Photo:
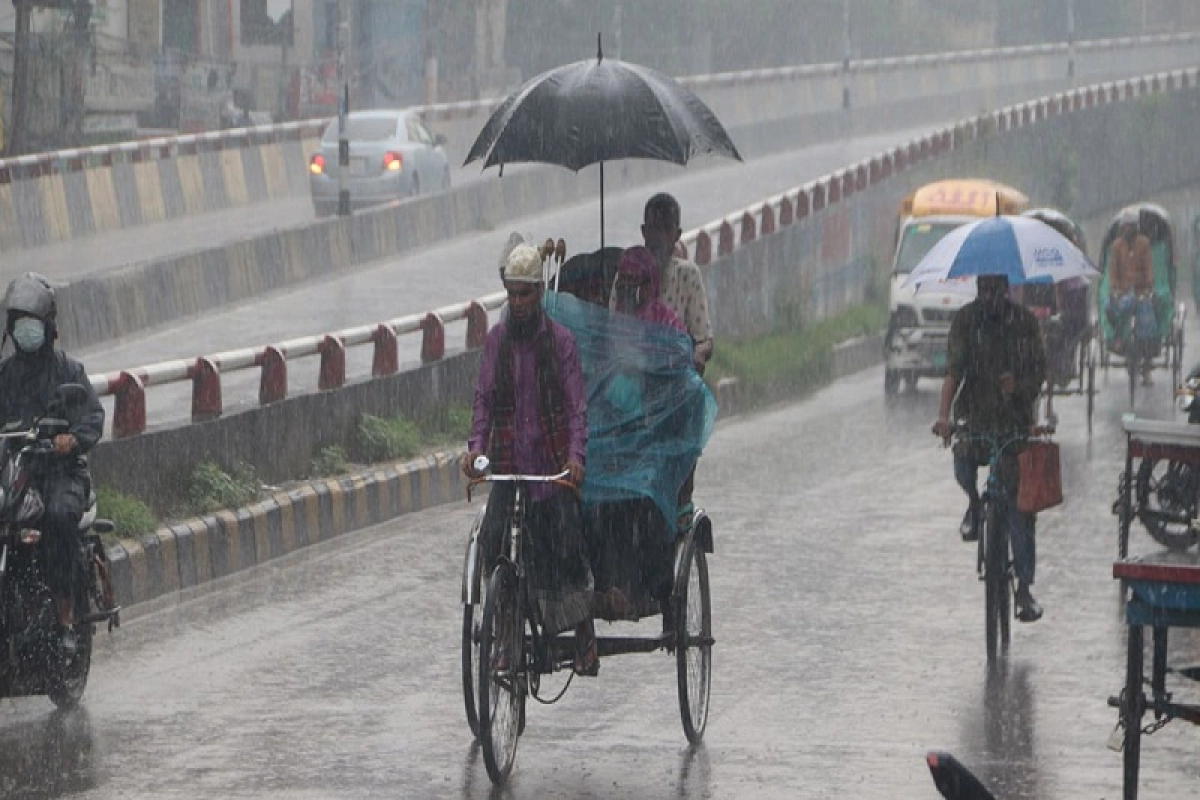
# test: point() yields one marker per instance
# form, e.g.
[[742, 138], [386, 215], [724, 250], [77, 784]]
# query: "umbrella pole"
[[602, 217]]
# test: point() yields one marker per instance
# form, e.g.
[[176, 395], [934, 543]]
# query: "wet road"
[[452, 272], [849, 630]]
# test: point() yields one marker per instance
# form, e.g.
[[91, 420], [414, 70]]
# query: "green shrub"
[[793, 361], [212, 489], [131, 516], [389, 439], [450, 423], [331, 460]]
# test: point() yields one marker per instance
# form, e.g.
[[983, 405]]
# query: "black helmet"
[[31, 294]]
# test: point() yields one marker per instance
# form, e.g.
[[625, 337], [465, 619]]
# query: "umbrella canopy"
[[600, 110], [1024, 249]]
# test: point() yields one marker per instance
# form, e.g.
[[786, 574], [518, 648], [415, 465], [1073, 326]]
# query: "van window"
[[917, 240]]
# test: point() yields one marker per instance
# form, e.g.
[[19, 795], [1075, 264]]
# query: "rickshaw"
[[1141, 330], [1067, 331], [645, 432]]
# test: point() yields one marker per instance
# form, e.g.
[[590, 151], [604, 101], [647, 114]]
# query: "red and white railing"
[[128, 387]]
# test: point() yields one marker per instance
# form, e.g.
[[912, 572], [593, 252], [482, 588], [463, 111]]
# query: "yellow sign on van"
[[973, 198]]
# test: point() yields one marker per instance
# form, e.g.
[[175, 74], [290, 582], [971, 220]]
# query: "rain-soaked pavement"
[[848, 621], [448, 273]]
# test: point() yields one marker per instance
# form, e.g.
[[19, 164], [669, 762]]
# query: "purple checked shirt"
[[531, 451]]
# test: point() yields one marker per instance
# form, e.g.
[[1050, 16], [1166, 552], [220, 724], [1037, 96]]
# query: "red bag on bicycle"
[[1039, 483]]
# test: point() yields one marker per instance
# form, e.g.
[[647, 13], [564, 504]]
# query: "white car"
[[392, 156]]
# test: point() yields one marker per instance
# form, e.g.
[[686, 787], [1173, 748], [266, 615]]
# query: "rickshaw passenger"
[[682, 290], [1067, 305], [638, 289], [1132, 263], [530, 417], [628, 545], [1131, 285]]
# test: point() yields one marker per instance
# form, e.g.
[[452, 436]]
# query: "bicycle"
[[513, 650], [993, 557], [506, 650]]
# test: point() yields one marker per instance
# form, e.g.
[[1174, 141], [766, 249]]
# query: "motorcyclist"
[[28, 380]]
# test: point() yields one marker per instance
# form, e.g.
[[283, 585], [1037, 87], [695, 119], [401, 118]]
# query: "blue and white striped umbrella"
[[1025, 249]]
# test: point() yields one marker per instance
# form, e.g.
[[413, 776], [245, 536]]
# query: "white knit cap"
[[514, 239], [524, 265]]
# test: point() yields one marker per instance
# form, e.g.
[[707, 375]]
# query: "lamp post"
[[343, 44], [20, 79], [617, 26], [846, 54], [1071, 40]]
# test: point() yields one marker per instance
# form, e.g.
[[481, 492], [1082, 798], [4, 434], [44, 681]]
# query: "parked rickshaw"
[[1141, 327], [1068, 330]]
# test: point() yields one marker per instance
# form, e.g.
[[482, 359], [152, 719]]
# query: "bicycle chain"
[[1120, 501], [1151, 727]]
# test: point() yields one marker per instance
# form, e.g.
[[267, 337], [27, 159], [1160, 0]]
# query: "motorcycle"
[[1167, 491], [33, 659]]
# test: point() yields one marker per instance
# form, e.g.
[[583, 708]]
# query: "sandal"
[[587, 653]]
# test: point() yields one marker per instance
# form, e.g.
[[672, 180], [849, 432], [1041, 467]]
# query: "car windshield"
[[918, 239], [360, 129]]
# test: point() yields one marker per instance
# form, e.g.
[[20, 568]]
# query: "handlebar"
[[559, 479], [960, 428]]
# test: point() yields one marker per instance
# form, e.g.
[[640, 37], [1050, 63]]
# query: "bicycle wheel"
[[1175, 351], [474, 584], [1132, 707], [693, 640], [1166, 501], [472, 625], [994, 578], [1091, 386], [1131, 366], [501, 673]]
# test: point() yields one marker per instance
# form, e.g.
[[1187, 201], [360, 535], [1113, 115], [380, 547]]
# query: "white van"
[[919, 322]]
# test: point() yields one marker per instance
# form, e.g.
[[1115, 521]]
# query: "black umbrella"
[[599, 110]]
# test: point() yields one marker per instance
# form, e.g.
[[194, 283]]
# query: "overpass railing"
[[128, 387], [715, 239]]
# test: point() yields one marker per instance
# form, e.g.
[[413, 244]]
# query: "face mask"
[[29, 334]]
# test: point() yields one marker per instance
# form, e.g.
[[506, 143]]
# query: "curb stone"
[[192, 552]]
